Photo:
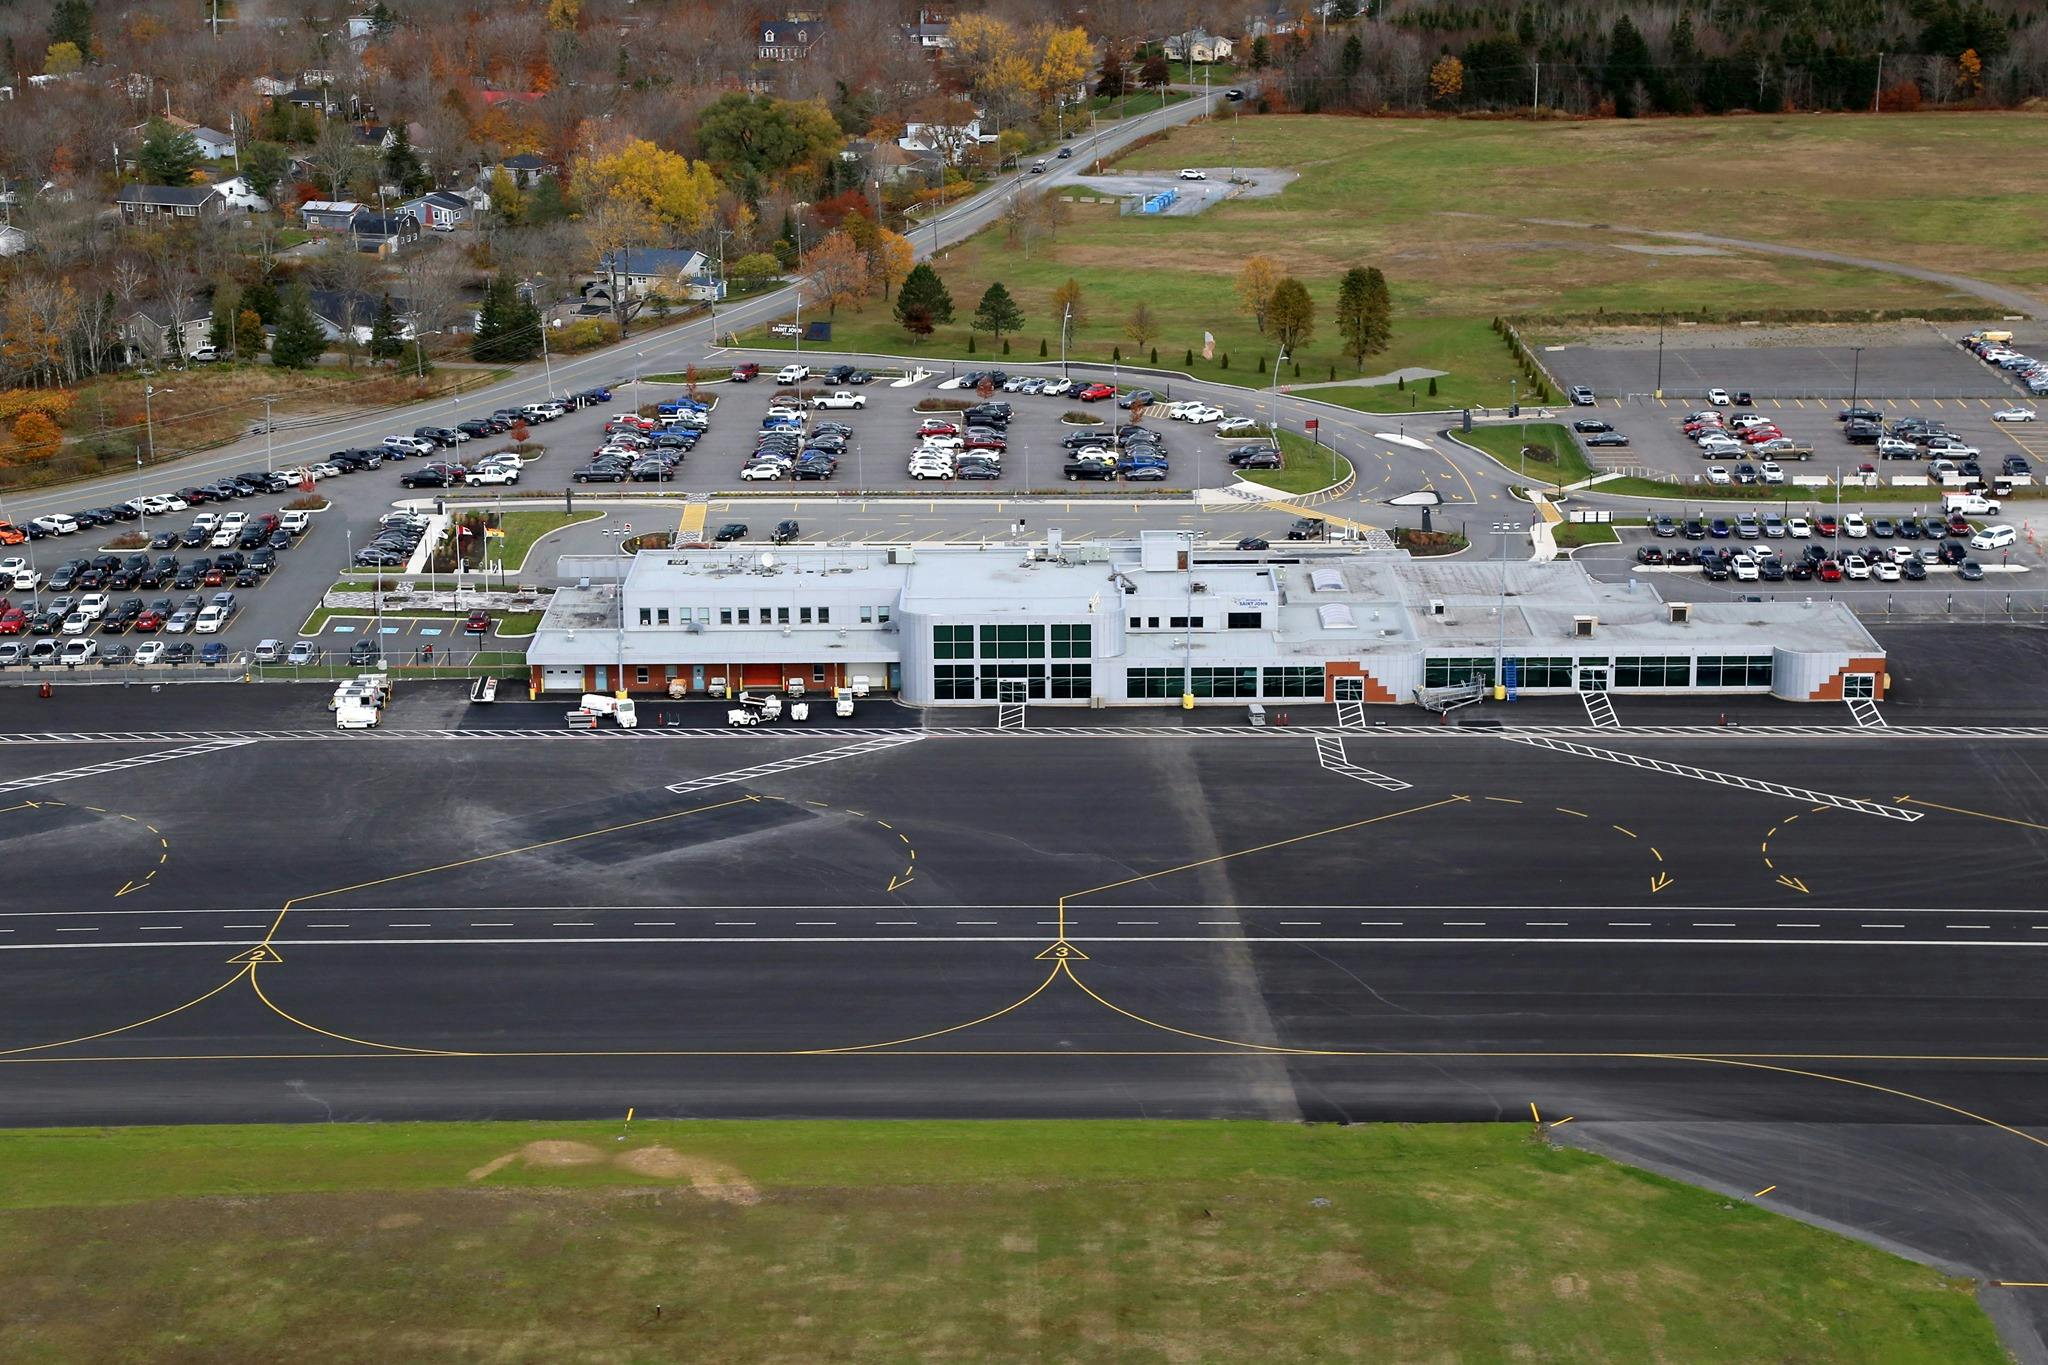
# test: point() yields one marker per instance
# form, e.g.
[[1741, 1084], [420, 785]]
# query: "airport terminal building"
[[1147, 621]]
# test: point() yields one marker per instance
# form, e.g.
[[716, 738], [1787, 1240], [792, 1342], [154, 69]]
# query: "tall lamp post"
[[149, 393], [800, 206], [1855, 373], [1274, 411]]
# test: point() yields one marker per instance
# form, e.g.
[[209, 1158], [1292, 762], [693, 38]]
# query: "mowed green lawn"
[[934, 1241]]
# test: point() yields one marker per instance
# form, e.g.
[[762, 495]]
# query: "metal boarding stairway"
[[1443, 699]]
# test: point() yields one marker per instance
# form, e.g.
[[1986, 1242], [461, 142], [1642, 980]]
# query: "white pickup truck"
[[840, 399], [490, 474]]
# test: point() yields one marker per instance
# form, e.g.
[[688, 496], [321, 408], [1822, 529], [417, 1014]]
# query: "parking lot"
[[1658, 447], [1891, 372]]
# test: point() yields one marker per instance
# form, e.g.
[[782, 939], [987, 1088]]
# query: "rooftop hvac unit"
[[902, 554], [1681, 612], [1436, 606], [1582, 626]]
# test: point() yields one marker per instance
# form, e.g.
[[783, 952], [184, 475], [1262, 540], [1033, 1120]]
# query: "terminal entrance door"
[[1592, 679], [1348, 689], [1857, 686]]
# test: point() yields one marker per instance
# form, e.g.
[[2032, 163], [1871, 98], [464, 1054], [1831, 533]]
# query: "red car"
[[1095, 393], [13, 621], [742, 373], [1830, 572], [983, 440], [933, 426], [479, 623], [1827, 525], [1758, 435], [1695, 428], [214, 577], [148, 622], [10, 534]]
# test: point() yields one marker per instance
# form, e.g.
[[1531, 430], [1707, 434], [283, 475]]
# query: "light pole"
[[1502, 530], [1660, 355], [800, 206], [1855, 373], [1066, 326], [1274, 411], [268, 451], [723, 233], [149, 393]]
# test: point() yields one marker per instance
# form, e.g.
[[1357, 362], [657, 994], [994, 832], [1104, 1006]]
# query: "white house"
[[13, 241], [213, 144], [950, 140], [241, 195], [639, 271], [1197, 45], [343, 315]]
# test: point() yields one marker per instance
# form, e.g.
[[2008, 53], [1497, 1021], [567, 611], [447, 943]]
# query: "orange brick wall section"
[[1831, 690], [1374, 690]]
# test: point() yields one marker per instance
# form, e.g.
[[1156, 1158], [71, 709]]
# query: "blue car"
[[1718, 529], [213, 653]]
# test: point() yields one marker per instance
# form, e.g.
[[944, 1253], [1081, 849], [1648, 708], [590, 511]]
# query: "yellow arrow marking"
[[1795, 884], [126, 887], [1764, 1191], [904, 880], [1660, 881]]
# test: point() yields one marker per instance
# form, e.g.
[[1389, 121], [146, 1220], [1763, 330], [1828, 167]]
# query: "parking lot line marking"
[[1709, 775]]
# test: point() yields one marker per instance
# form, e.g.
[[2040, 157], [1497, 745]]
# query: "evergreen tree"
[[997, 312], [299, 341], [402, 164], [386, 340], [922, 302], [382, 20], [169, 154], [71, 22], [261, 299], [508, 326]]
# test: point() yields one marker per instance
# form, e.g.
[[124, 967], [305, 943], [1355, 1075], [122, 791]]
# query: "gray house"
[[156, 203], [438, 211]]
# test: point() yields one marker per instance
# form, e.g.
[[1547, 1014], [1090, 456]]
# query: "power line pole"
[[1878, 93]]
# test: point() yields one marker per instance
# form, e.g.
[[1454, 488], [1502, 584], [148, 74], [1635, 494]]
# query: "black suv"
[[786, 531]]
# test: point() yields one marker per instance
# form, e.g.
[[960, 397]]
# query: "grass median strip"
[[981, 1241], [1310, 466]]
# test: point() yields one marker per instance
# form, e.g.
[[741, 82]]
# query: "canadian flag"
[[1208, 346]]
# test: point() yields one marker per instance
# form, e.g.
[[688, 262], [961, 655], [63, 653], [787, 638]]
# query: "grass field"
[[1438, 205], [1570, 535], [939, 1241], [1437, 201]]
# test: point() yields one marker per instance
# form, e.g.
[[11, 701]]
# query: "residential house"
[[269, 87], [154, 203], [343, 315], [640, 271], [1197, 45], [241, 195], [328, 215], [213, 144], [313, 97], [932, 36], [878, 160], [788, 40], [949, 140], [13, 241], [526, 170], [439, 211], [1277, 22], [384, 233], [156, 328]]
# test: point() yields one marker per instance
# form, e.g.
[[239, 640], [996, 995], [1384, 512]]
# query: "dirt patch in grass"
[[713, 1179]]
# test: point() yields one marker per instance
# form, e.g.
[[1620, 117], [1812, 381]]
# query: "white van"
[[1994, 538], [1969, 504], [792, 374]]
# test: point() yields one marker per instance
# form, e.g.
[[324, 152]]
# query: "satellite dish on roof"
[[767, 559]]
